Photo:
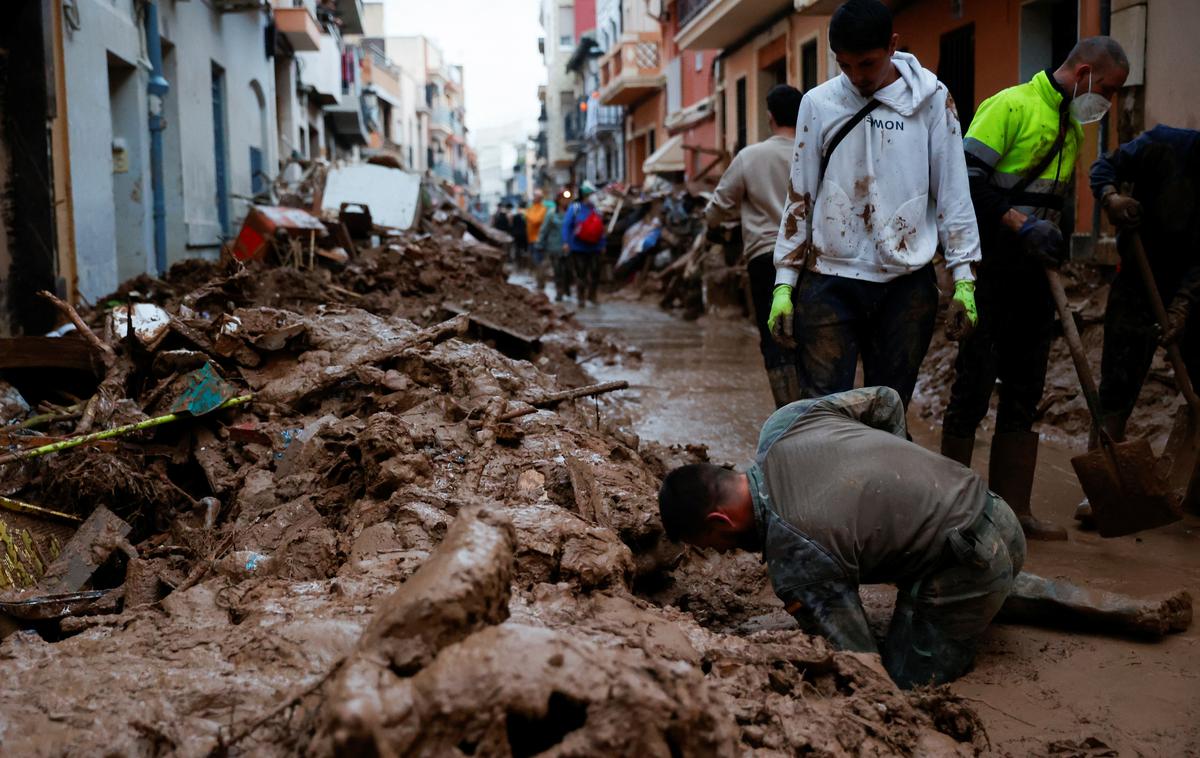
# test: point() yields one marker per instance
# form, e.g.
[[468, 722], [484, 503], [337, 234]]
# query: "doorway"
[[220, 148], [956, 69], [1049, 29], [129, 188]]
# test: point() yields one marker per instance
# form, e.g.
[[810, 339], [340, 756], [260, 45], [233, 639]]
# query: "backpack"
[[591, 230]]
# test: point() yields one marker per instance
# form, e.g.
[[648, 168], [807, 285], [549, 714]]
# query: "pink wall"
[[585, 18]]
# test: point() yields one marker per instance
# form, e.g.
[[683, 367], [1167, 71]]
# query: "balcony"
[[602, 118], [442, 120], [300, 28], [632, 69], [716, 24]]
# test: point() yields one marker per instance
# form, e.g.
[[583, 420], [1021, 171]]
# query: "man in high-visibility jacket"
[[1021, 151]]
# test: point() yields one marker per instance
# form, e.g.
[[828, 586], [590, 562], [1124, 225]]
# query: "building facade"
[[138, 132]]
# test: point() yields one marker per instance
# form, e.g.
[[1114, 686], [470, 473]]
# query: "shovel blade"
[[1178, 462], [1125, 490]]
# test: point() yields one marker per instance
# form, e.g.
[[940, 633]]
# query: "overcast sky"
[[495, 41]]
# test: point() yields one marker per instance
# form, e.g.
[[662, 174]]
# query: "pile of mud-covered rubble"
[[413, 538]]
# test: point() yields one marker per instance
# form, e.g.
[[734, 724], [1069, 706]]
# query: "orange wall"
[[790, 34], [997, 60]]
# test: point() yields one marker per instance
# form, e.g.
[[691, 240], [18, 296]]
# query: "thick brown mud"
[[1038, 691]]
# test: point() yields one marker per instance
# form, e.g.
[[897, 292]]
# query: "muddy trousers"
[[762, 285], [780, 363], [564, 275], [1011, 344], [890, 324], [939, 618], [587, 274], [1130, 341]]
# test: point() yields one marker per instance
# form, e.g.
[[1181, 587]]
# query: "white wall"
[[1172, 63], [106, 29], [109, 29]]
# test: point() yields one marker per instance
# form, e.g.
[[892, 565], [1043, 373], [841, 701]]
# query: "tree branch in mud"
[[113, 384], [559, 397]]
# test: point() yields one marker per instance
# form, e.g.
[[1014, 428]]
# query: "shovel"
[[1179, 459], [1119, 478]]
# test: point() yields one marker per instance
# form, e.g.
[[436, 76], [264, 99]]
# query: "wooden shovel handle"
[[1182, 379], [1086, 380]]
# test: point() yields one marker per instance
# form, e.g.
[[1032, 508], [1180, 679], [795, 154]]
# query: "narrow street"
[[700, 382]]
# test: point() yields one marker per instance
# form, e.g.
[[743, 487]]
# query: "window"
[[808, 65], [741, 115], [699, 62], [674, 85], [566, 28]]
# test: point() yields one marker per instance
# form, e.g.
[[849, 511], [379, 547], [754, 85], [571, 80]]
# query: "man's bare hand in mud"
[[1177, 316], [781, 322], [1123, 210], [962, 315]]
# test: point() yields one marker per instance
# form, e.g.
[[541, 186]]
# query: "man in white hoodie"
[[865, 215]]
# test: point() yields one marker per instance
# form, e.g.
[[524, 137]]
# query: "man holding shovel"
[[1163, 211], [1021, 151]]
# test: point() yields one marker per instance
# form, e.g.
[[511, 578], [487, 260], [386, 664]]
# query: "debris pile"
[[385, 490]]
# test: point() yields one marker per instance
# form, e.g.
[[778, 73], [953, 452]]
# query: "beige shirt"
[[756, 184]]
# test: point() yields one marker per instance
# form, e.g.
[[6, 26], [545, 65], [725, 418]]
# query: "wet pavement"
[[703, 382]]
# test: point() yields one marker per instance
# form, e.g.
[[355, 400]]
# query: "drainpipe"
[[156, 90], [1102, 143]]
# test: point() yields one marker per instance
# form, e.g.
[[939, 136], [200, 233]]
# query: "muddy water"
[[703, 382], [700, 382]]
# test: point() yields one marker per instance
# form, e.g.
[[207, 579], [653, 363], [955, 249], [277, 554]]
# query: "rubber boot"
[[785, 385], [959, 449], [1010, 475]]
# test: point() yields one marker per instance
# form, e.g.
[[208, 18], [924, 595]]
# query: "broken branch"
[[559, 397], [105, 350]]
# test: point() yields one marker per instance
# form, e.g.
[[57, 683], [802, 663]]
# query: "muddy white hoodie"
[[894, 188]]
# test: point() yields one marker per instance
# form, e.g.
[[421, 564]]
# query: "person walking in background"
[[534, 217], [549, 238], [754, 191], [585, 241], [878, 180], [1021, 151], [520, 235]]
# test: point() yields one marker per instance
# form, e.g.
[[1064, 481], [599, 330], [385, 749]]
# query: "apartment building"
[[563, 129]]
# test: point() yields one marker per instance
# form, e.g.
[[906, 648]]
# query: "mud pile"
[[403, 545]]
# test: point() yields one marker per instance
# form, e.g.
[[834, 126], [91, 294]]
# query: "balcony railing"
[[632, 69], [574, 127]]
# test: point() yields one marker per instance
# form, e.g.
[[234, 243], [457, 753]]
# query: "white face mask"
[[1089, 107]]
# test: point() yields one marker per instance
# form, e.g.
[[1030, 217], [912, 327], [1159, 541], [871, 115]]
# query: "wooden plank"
[[94, 541], [49, 352]]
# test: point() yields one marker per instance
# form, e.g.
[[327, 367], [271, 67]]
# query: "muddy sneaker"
[[1083, 514]]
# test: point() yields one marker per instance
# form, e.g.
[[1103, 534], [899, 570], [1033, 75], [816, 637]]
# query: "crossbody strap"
[[847, 127], [1064, 125]]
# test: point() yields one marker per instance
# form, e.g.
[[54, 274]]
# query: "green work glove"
[[962, 316], [780, 320]]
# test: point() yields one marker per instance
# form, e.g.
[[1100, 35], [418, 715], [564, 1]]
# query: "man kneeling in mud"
[[837, 496]]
